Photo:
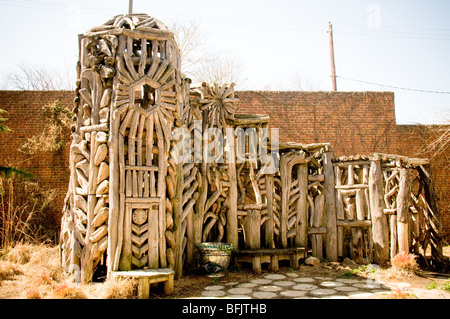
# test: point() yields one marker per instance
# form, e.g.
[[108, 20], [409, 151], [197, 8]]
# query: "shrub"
[[431, 286], [400, 293], [8, 270], [27, 212], [20, 254], [405, 262], [41, 277], [445, 286]]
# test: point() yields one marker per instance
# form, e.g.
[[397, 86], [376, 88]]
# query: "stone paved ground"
[[293, 285]]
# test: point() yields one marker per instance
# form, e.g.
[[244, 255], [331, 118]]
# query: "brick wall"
[[26, 119], [352, 122]]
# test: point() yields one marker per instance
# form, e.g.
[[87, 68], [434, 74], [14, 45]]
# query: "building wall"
[[26, 119], [352, 122]]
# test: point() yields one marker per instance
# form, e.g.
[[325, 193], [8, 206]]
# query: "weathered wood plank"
[[380, 230]]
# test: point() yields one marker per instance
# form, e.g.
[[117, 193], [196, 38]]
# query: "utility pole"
[[333, 68], [130, 6]]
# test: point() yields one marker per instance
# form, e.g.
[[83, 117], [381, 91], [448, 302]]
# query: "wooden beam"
[[330, 202], [380, 230]]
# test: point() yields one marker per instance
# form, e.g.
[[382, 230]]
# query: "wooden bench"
[[146, 277], [272, 256]]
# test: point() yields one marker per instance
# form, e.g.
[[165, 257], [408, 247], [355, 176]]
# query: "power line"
[[393, 87]]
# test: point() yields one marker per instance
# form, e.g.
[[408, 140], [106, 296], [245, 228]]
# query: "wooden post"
[[286, 179], [435, 216], [113, 229], [125, 257], [393, 232], [403, 216], [268, 226], [153, 236], [86, 259], [380, 229], [339, 212], [232, 220], [301, 231], [330, 204], [252, 228], [177, 214]]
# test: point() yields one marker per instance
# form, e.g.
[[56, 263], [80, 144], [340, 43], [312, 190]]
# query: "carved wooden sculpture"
[[129, 95], [157, 166]]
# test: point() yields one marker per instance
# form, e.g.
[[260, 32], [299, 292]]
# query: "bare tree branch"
[[29, 77]]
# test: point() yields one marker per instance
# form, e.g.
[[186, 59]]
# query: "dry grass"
[[20, 254], [119, 289], [400, 293], [68, 291], [404, 262], [8, 270], [33, 293], [34, 272]]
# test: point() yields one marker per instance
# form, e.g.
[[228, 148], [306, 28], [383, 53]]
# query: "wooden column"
[[340, 215], [330, 206], [177, 213], [268, 226], [301, 230], [113, 222], [252, 228], [435, 215], [232, 220], [380, 228], [403, 216]]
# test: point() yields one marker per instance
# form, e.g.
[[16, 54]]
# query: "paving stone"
[[238, 297], [239, 291], [292, 274], [292, 293], [304, 279], [323, 278], [322, 292], [247, 285], [216, 287], [331, 284], [213, 293], [261, 281], [348, 280], [231, 283], [367, 285], [275, 276], [304, 287], [346, 288], [270, 288], [264, 295], [284, 283]]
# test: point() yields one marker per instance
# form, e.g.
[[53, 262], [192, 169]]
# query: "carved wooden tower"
[[129, 95]]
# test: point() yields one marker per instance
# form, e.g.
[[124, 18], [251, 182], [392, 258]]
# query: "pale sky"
[[404, 46]]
